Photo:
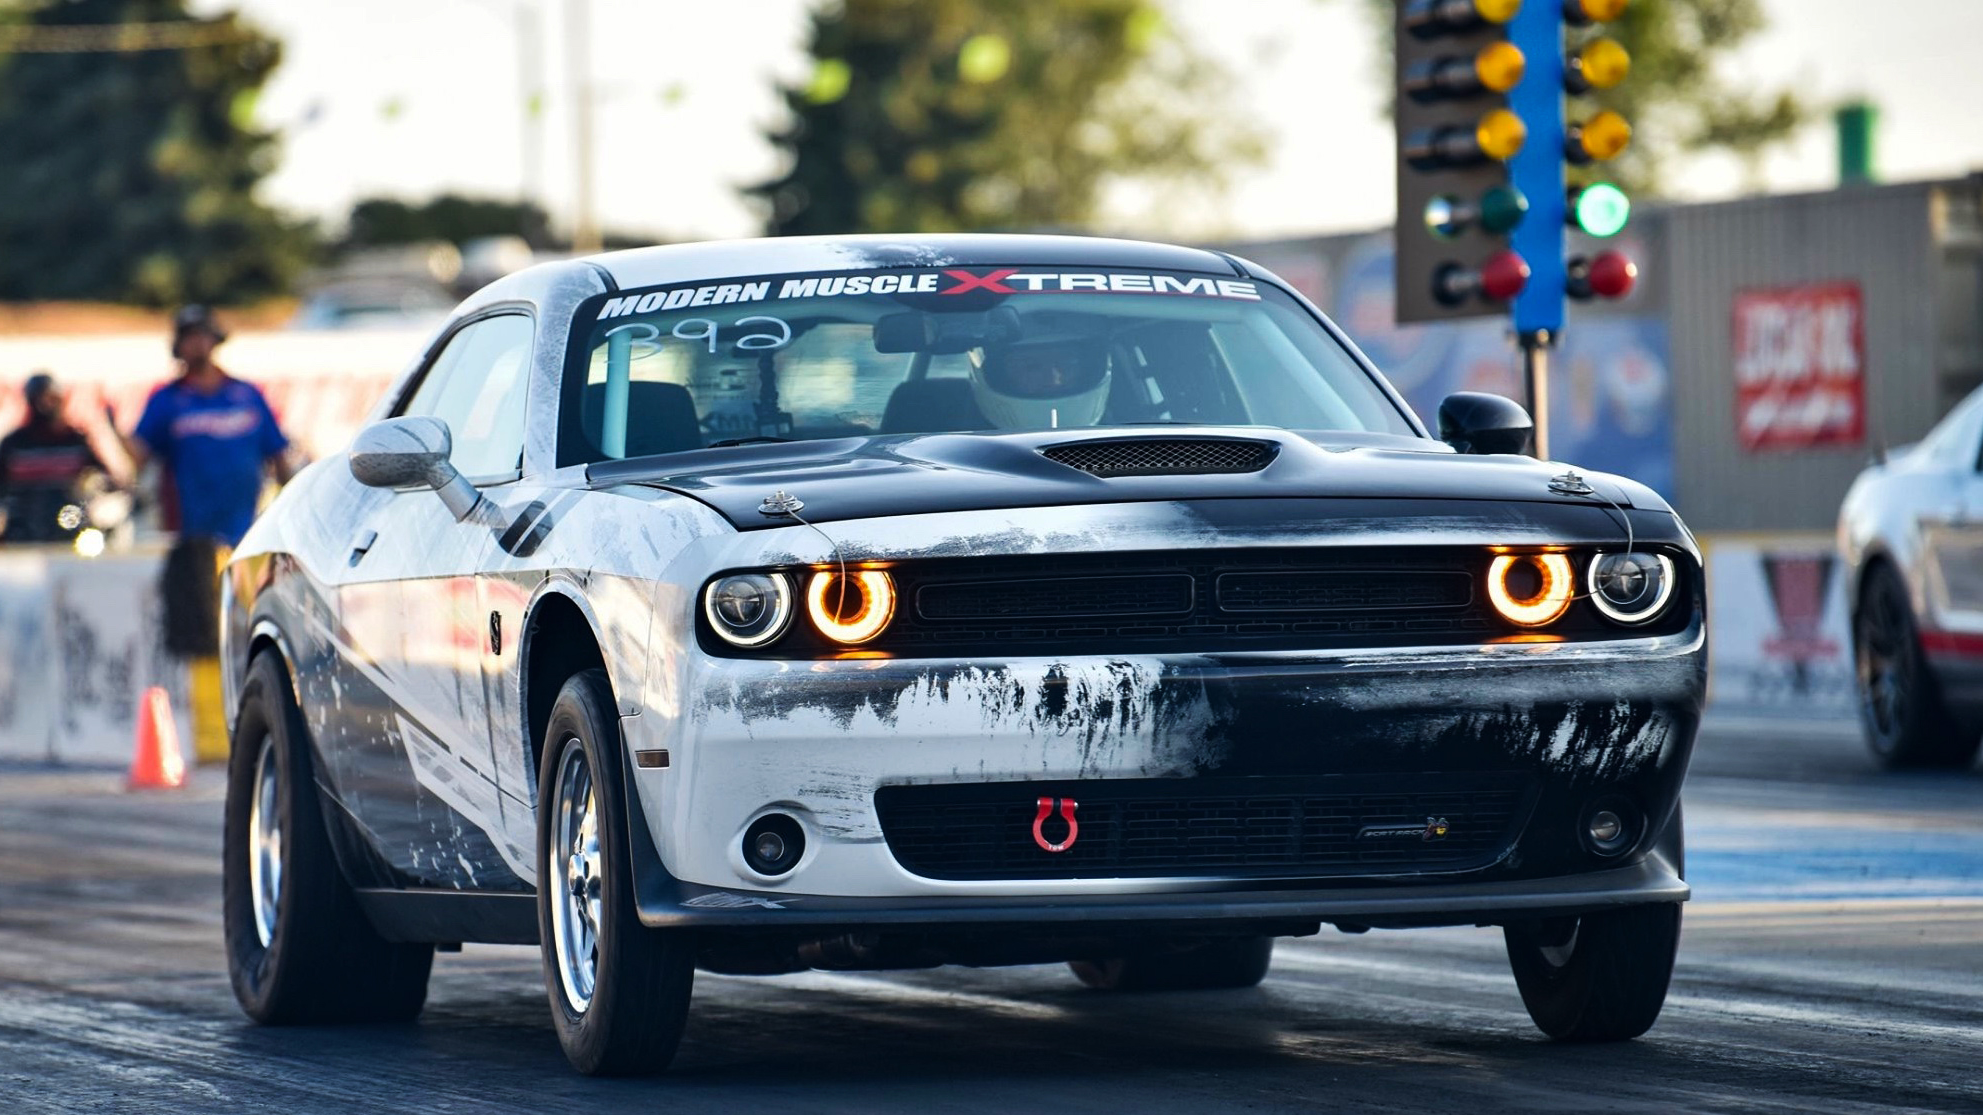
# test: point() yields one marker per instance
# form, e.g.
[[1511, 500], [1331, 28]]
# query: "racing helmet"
[[1041, 383]]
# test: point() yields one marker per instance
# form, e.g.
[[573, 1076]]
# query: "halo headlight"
[[1531, 590], [748, 609], [1631, 588], [852, 607]]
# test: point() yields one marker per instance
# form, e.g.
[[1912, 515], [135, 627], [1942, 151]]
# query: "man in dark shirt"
[[42, 465]]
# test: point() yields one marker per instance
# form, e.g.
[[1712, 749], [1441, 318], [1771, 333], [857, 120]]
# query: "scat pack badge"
[[1434, 828]]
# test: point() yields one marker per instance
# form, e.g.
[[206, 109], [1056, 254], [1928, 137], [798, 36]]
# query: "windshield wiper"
[[728, 442]]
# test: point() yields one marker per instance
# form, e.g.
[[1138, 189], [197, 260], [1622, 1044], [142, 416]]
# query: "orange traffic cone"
[[156, 763]]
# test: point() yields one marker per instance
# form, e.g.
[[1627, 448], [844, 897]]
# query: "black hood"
[[861, 478]]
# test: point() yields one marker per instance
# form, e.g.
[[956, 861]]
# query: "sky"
[[414, 97]]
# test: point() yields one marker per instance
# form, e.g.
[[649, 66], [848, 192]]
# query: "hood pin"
[[780, 502], [1571, 484]]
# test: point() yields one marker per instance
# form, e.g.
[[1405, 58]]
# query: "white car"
[[1911, 535], [883, 602]]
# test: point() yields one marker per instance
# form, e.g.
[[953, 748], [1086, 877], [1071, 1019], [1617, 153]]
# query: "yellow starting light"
[[1500, 134], [1500, 66], [1601, 11], [1604, 64], [1605, 135], [1501, 11]]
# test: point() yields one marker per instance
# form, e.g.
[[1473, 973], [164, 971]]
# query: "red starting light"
[[1503, 275], [1604, 275], [1499, 278]]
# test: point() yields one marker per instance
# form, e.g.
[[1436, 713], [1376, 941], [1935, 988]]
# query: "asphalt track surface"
[[1832, 961]]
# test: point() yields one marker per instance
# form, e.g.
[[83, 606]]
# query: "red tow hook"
[[1067, 808]]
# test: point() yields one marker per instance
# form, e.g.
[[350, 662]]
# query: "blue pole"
[[1537, 169]]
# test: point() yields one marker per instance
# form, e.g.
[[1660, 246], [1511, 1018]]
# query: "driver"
[[1041, 384]]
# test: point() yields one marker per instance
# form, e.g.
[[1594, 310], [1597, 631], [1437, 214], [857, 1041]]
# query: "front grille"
[[1163, 456], [1134, 603], [1310, 827], [1330, 590], [1152, 594]]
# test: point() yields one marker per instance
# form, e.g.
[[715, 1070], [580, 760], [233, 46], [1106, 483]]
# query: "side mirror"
[[1476, 422], [402, 453]]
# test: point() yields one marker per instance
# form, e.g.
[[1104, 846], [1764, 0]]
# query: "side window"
[[477, 386]]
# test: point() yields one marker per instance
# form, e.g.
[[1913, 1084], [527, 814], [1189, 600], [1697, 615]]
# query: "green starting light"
[[1600, 209], [1501, 209]]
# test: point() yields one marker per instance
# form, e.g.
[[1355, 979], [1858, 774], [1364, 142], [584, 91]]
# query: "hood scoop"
[[1163, 456]]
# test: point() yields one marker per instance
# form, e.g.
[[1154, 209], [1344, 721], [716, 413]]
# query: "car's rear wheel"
[[1599, 977], [1217, 965], [619, 991], [1900, 704], [299, 950]]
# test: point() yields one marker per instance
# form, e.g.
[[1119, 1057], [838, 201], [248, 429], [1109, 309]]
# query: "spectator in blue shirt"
[[215, 436]]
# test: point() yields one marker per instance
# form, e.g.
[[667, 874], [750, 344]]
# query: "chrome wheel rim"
[[265, 843], [575, 916]]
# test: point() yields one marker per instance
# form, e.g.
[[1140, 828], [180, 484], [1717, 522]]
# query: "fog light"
[[1611, 827], [1606, 827], [770, 846], [773, 844]]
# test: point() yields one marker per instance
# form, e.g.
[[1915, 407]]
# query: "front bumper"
[[817, 740], [666, 903]]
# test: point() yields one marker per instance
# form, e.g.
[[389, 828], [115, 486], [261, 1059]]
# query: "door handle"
[[362, 545]]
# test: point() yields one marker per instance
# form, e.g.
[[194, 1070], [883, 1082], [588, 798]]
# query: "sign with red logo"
[[1800, 364]]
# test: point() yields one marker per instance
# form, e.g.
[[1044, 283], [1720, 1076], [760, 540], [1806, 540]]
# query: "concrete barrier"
[[79, 643]]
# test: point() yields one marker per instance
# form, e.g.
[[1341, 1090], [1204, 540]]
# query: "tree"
[[131, 160], [943, 115], [1678, 100], [451, 217]]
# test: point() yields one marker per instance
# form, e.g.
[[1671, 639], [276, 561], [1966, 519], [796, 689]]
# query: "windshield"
[[852, 354]]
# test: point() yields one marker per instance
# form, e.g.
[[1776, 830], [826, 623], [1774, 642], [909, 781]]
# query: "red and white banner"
[[1800, 367]]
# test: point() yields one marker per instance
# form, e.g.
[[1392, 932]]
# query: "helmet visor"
[[1045, 369]]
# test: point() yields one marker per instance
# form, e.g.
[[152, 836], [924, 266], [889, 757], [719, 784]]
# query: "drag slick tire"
[[619, 991], [1599, 977], [299, 949], [1900, 704], [1221, 965]]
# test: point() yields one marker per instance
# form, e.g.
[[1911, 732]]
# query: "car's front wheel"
[[1599, 977], [299, 950], [619, 991], [1900, 704], [1218, 965]]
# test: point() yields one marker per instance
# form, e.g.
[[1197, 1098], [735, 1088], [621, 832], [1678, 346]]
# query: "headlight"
[[748, 609], [1532, 590], [852, 607], [1631, 588]]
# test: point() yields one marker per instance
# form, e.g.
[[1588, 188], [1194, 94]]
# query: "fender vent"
[[1163, 456]]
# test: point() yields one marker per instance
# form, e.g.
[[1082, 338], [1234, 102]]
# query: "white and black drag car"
[[1911, 535], [865, 603]]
